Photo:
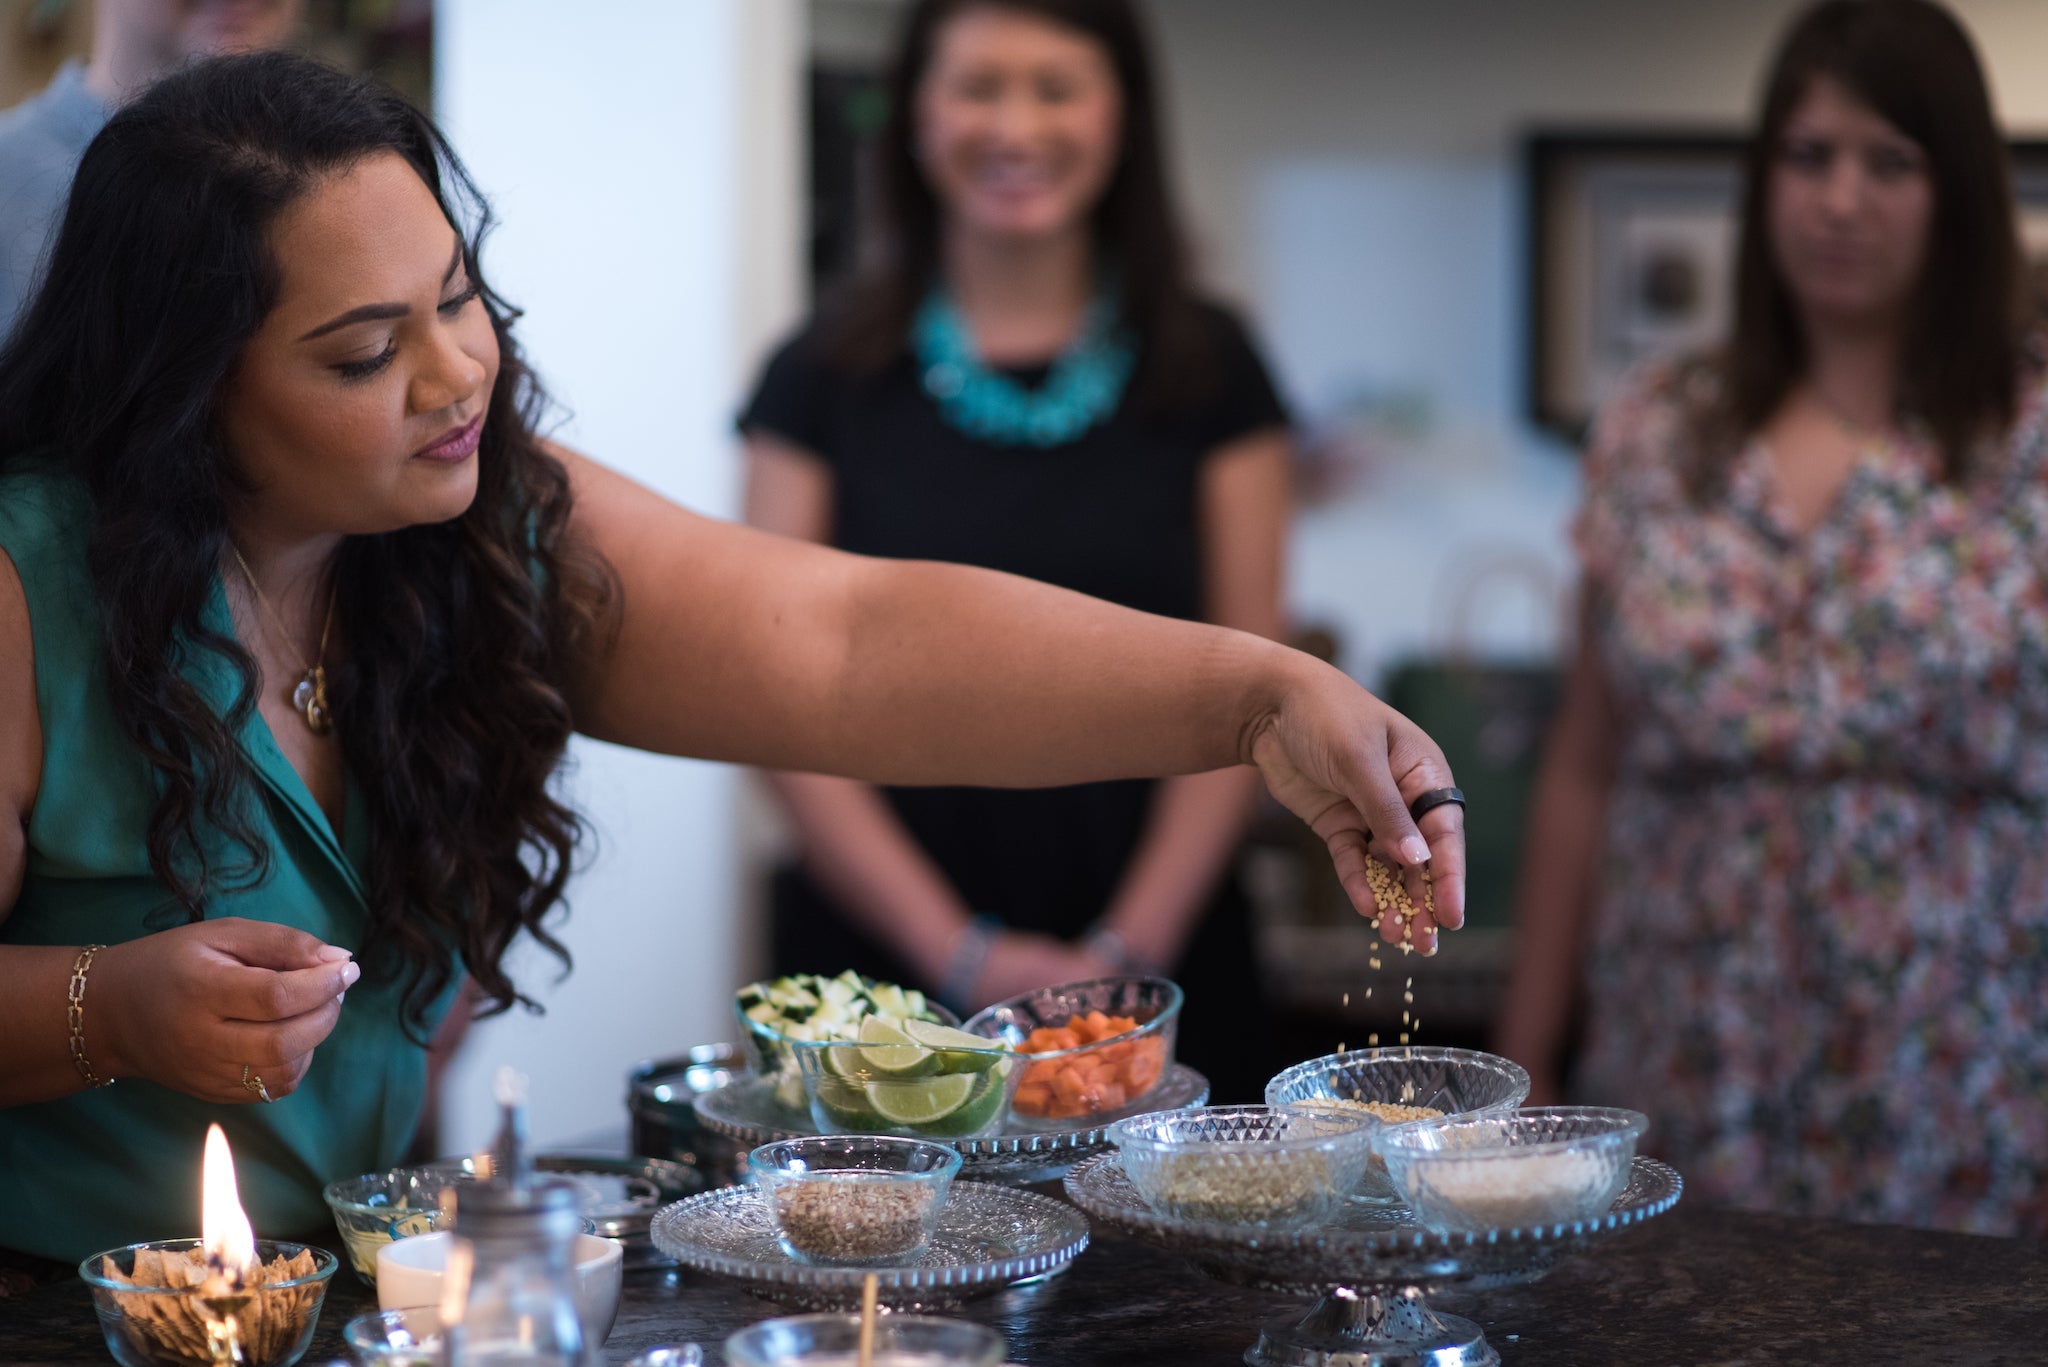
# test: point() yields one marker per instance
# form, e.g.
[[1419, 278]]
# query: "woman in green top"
[[297, 614]]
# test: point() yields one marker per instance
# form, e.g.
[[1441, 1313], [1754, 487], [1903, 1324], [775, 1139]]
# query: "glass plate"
[[988, 1238], [1361, 1247], [745, 1110]]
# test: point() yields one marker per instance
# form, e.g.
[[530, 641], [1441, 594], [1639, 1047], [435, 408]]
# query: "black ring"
[[1433, 799]]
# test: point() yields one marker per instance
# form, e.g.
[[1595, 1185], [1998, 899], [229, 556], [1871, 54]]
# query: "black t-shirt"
[[1113, 513]]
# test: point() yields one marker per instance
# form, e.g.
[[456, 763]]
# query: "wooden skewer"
[[867, 1320]]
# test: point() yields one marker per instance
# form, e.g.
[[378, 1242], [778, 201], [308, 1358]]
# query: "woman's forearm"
[[1190, 838], [958, 675], [857, 849]]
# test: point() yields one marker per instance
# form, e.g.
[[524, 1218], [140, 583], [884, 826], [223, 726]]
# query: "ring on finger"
[[1435, 798], [253, 1083]]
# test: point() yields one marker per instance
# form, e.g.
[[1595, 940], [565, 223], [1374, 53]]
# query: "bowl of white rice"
[[1526, 1169]]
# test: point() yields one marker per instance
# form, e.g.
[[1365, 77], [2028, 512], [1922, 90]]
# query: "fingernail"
[[1415, 850], [349, 973], [332, 954]]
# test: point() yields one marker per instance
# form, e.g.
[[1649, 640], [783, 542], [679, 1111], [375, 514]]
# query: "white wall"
[[645, 159]]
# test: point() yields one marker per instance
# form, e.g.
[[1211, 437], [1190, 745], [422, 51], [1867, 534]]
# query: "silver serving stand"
[[746, 1111], [1369, 1268]]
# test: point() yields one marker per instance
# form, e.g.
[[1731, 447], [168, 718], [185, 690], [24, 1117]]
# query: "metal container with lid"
[[661, 1098]]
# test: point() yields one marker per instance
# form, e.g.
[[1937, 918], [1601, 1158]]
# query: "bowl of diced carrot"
[[1094, 1051]]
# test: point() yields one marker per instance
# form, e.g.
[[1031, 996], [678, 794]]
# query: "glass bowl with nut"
[[854, 1200]]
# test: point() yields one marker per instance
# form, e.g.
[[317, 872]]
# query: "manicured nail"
[[332, 954], [1415, 850], [349, 974]]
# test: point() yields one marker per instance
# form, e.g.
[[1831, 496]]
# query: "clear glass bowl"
[[372, 1210], [854, 1200], [953, 1094], [1072, 1088], [1457, 1082], [165, 1326], [772, 1054], [1244, 1165], [1531, 1168], [396, 1338], [834, 1341]]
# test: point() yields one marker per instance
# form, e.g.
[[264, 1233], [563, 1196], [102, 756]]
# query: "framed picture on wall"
[[1632, 255]]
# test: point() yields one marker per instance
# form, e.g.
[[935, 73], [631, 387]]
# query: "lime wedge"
[[843, 1060], [976, 1113], [845, 1104], [923, 1101], [959, 1052], [889, 1053]]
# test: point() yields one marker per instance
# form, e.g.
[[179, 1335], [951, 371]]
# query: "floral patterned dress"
[[1820, 954]]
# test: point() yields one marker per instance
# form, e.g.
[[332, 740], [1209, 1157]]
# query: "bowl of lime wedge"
[[910, 1077]]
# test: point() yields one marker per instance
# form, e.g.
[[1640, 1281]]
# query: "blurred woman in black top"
[[1024, 378]]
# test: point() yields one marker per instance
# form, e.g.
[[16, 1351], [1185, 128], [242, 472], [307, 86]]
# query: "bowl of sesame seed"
[[854, 1200], [1402, 1083]]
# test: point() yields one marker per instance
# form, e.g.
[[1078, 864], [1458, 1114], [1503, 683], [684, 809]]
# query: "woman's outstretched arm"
[[737, 645]]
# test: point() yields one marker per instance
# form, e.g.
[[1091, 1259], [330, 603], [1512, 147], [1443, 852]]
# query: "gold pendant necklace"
[[309, 694]]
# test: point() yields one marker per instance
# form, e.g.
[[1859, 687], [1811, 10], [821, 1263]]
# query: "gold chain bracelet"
[[76, 1013]]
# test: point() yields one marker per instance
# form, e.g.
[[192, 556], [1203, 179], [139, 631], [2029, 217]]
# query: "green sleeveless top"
[[120, 1164]]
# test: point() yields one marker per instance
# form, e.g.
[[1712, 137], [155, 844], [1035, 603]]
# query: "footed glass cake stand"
[[1371, 1270]]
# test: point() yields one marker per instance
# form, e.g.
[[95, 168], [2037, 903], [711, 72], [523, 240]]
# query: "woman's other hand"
[[1021, 961], [191, 1008], [1349, 765]]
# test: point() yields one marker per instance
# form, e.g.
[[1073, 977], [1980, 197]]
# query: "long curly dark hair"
[[448, 699], [1912, 62]]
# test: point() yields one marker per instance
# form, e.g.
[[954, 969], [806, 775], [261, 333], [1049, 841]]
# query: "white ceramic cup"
[[409, 1273]]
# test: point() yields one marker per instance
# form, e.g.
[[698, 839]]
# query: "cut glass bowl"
[[1244, 1165], [1532, 1168], [857, 1200], [1457, 1082]]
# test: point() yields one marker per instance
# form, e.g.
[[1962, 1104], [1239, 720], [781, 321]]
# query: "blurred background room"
[[1451, 226]]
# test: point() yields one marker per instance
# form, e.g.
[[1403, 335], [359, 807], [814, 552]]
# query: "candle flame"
[[230, 1243]]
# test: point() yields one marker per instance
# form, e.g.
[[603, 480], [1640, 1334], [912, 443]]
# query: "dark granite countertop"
[[1696, 1287]]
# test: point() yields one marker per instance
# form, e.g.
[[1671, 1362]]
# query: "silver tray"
[[989, 1237], [1371, 1267], [745, 1110]]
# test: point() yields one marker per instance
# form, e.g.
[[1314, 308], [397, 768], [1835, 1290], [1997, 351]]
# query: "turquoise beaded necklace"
[[1084, 387]]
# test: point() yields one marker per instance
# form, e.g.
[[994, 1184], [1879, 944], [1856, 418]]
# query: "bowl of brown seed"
[[1393, 1086], [156, 1305], [854, 1200], [1273, 1167]]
